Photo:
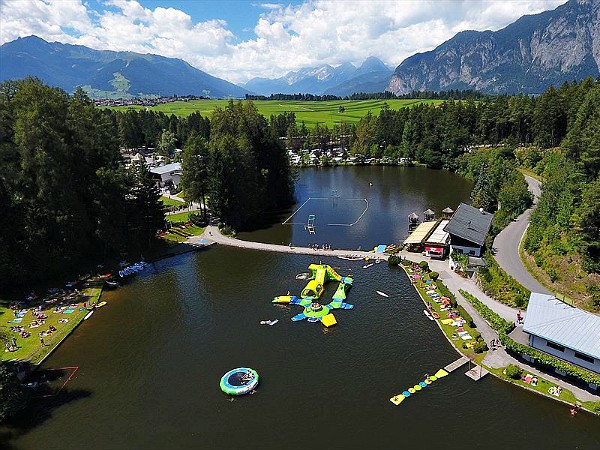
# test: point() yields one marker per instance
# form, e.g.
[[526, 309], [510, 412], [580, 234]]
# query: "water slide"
[[313, 311]]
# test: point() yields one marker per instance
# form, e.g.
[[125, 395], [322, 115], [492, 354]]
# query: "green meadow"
[[324, 113]]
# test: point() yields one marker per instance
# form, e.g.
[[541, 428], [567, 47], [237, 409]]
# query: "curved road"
[[507, 245]]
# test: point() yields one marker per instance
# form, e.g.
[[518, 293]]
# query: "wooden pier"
[[476, 373], [456, 364]]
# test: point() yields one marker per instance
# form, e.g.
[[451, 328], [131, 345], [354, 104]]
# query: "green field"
[[310, 113]]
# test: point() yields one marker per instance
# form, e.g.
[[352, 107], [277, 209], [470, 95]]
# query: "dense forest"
[[66, 194], [63, 190], [243, 168]]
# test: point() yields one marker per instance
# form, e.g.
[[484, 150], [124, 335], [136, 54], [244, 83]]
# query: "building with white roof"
[[167, 175], [436, 244], [563, 331]]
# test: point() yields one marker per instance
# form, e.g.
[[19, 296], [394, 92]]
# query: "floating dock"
[[476, 373]]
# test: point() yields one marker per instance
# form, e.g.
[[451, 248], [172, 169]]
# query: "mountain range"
[[372, 76], [103, 73], [526, 56]]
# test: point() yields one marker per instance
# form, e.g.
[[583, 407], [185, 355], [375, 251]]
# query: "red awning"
[[434, 249]]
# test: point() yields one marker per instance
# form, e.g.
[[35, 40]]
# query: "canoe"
[[383, 294]]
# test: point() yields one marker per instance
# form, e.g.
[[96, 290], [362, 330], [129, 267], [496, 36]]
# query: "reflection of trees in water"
[[34, 401]]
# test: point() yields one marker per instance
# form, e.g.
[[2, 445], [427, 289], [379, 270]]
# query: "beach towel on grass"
[[68, 311]]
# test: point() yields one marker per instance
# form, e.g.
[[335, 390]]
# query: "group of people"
[[322, 246]]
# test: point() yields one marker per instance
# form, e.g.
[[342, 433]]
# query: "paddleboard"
[[428, 315], [383, 294], [367, 266], [88, 315], [100, 305]]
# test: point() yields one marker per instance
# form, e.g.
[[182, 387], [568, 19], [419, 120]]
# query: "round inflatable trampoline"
[[239, 381]]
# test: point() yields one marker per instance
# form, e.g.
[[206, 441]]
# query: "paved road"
[[508, 241]]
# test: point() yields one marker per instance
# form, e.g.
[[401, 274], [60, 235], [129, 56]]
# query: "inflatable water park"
[[239, 381], [313, 310], [397, 399]]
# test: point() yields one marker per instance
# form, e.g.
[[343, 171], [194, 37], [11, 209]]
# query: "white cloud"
[[286, 37]]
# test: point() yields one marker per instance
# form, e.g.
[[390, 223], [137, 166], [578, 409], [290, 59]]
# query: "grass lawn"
[[448, 330], [171, 201], [30, 348], [543, 385], [310, 113], [179, 217]]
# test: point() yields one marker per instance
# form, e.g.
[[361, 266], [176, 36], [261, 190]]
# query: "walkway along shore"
[[494, 359]]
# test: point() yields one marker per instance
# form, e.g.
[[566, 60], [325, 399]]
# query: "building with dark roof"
[[563, 331], [468, 228]]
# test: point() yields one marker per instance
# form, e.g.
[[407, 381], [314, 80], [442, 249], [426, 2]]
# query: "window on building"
[[586, 358], [560, 348]]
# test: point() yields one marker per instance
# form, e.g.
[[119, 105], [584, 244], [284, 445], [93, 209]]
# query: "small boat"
[[112, 284], [428, 314], [367, 266], [88, 315], [350, 258], [383, 294], [100, 305], [377, 261]]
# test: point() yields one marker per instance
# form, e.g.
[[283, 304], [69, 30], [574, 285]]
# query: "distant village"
[[144, 101]]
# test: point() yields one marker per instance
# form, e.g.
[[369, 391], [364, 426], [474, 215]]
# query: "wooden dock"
[[456, 364], [476, 373]]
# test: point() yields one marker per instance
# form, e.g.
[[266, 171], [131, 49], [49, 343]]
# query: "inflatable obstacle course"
[[397, 399], [313, 310]]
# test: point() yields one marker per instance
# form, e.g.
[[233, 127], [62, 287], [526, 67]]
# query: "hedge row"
[[445, 292], [496, 322], [550, 361], [465, 315], [504, 327]]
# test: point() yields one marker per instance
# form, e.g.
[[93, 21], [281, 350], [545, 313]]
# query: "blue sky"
[[239, 40]]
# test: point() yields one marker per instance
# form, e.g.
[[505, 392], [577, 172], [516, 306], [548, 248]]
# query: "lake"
[[151, 360]]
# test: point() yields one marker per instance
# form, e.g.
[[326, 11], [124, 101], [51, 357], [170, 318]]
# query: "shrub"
[[480, 347], [465, 315], [434, 276], [513, 372], [553, 275], [498, 284], [496, 322], [394, 260], [476, 335], [424, 265]]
